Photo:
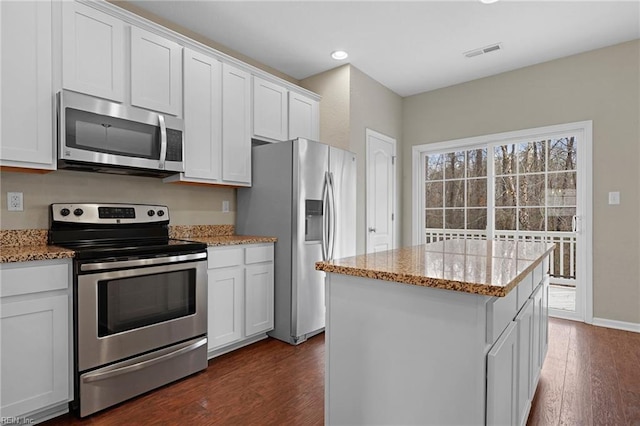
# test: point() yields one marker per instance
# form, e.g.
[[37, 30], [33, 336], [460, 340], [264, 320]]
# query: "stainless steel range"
[[140, 300]]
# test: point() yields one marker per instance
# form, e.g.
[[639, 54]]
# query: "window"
[[456, 190]]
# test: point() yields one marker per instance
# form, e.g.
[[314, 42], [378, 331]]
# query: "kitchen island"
[[452, 332]]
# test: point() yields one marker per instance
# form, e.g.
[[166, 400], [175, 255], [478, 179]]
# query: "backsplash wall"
[[188, 204]]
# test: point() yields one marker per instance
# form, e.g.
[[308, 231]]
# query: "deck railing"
[[563, 267]]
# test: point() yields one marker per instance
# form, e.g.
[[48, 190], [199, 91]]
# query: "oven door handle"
[[93, 377], [141, 262]]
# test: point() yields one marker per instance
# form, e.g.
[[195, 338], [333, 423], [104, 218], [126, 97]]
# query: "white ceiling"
[[408, 46]]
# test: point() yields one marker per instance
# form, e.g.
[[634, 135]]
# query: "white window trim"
[[585, 128]]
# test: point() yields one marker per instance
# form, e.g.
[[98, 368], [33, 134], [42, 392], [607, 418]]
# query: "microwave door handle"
[[163, 141]]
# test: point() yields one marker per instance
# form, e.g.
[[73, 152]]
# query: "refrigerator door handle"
[[332, 219], [325, 216]]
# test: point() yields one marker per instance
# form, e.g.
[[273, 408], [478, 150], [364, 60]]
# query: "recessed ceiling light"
[[339, 55], [488, 1]]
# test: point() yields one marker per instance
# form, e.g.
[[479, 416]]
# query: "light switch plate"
[[225, 207], [614, 198]]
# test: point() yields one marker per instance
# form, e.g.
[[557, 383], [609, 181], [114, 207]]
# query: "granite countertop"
[[486, 267], [26, 245], [232, 240]]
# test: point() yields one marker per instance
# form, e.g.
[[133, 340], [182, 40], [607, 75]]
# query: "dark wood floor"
[[591, 376]]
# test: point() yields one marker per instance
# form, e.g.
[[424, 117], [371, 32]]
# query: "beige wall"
[[352, 102], [375, 107], [333, 86], [188, 205], [601, 85]]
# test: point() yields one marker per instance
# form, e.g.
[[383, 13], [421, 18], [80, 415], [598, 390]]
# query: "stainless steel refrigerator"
[[303, 192]]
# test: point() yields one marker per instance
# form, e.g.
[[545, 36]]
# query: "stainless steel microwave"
[[99, 135]]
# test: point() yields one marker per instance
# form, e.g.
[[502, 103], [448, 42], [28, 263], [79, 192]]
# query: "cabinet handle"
[[371, 229], [163, 141]]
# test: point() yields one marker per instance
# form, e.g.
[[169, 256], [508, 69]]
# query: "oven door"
[[136, 308]]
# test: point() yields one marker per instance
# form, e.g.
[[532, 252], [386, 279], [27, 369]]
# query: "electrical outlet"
[[225, 206], [14, 201]]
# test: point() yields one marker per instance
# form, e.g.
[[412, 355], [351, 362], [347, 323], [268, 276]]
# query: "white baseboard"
[[620, 325]]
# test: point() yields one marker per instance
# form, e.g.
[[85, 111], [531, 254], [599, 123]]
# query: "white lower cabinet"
[[502, 378], [226, 295], [526, 332], [35, 339], [240, 309], [515, 360], [258, 298]]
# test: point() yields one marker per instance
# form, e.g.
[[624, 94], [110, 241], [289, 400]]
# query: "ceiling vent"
[[481, 51]]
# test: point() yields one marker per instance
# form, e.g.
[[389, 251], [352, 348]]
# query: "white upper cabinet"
[[156, 72], [269, 110], [236, 126], [202, 115], [26, 115], [280, 114], [304, 117], [92, 52]]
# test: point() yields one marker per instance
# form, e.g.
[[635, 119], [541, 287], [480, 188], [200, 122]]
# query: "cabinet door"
[[538, 329], [92, 52], [225, 298], [269, 110], [26, 120], [502, 379], [34, 348], [156, 72], [258, 298], [544, 320], [304, 117], [524, 319], [202, 115], [236, 125]]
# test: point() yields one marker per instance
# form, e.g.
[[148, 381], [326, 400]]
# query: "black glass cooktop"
[[132, 248]]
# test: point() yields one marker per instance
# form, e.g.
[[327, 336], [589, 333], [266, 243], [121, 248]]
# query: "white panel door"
[[225, 310], [34, 354], [381, 151], [258, 298], [92, 52], [269, 110], [304, 117], [236, 125], [202, 115], [156, 72], [26, 115]]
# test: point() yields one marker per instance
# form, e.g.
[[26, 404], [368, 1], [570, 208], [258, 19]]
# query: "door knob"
[[372, 229]]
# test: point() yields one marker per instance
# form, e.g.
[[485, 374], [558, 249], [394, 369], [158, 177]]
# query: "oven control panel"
[[109, 213]]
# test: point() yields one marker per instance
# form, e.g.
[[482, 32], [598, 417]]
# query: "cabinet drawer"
[[500, 312], [33, 277], [259, 254], [221, 258], [525, 288]]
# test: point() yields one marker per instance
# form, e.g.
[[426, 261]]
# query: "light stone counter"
[[490, 268], [24, 245]]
